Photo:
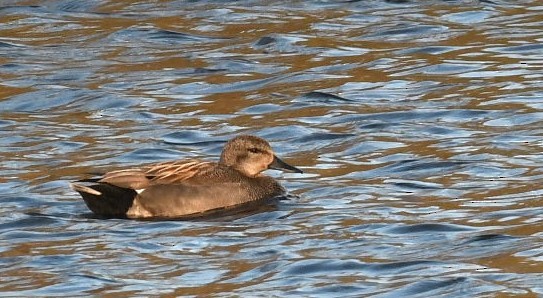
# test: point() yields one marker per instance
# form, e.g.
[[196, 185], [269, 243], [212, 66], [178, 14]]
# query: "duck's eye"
[[254, 150]]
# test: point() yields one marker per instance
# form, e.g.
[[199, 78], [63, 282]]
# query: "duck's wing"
[[117, 193], [162, 173]]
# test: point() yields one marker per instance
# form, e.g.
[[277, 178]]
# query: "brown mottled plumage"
[[183, 188]]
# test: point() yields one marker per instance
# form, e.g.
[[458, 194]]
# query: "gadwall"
[[187, 188]]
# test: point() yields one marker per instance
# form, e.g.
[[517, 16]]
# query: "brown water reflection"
[[418, 125]]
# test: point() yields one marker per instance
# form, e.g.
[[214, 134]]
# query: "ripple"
[[323, 97], [154, 35], [428, 228]]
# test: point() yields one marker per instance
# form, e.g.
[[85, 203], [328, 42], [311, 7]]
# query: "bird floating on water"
[[188, 187]]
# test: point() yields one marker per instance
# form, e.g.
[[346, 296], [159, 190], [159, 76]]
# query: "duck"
[[188, 188]]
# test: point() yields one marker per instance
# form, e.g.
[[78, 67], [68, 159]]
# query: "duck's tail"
[[105, 199]]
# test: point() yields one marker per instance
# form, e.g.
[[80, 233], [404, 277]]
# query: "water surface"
[[418, 124]]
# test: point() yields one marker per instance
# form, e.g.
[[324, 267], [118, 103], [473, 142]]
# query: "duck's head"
[[252, 155]]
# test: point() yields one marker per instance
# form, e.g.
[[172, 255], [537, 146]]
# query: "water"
[[418, 124]]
